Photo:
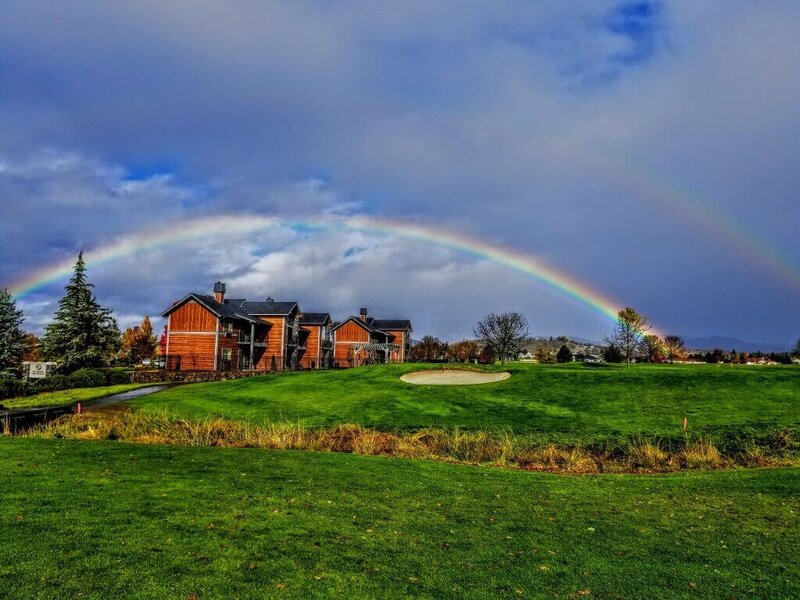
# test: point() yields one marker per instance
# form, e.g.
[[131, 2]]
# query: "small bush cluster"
[[11, 387], [499, 448]]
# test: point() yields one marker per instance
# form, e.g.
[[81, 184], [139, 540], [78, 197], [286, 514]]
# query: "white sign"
[[40, 370]]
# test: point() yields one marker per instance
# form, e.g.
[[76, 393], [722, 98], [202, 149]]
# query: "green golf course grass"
[[116, 520], [66, 397], [567, 400]]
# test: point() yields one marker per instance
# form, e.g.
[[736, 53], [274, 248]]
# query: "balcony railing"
[[244, 338]]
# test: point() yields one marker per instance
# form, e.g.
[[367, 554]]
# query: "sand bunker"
[[453, 377]]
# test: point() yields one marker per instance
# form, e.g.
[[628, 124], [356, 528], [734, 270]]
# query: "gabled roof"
[[226, 310], [358, 321], [312, 318], [387, 324], [268, 308]]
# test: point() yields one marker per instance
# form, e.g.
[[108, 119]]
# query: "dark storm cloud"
[[487, 118]]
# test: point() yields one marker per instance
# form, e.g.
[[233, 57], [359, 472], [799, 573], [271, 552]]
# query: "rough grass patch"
[[500, 448]]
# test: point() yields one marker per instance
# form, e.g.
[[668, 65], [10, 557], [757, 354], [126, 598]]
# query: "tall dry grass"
[[500, 448]]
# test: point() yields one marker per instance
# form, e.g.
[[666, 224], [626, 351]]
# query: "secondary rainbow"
[[692, 207], [244, 224]]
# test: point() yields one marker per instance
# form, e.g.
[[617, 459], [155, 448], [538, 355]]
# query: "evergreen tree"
[[564, 354], [83, 333], [12, 338], [613, 354]]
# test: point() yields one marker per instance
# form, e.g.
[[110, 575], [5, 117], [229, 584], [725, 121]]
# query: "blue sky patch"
[[145, 170]]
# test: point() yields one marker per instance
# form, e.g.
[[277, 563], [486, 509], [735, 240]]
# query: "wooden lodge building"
[[362, 340], [222, 334]]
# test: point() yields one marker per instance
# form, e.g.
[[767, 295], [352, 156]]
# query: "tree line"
[[503, 336], [83, 333]]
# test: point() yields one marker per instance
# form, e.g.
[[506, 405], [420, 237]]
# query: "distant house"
[[364, 340]]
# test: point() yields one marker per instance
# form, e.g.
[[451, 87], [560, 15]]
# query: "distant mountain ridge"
[[730, 343]]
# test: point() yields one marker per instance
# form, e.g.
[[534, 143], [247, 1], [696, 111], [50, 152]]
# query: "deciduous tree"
[[503, 334], [653, 348], [83, 333], [429, 348], [465, 351], [139, 342], [543, 355], [628, 333], [33, 348], [676, 347]]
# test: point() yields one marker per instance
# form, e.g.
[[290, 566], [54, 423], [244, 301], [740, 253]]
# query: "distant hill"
[[730, 343]]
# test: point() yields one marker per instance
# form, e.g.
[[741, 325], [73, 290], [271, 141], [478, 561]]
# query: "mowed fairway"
[[553, 399], [115, 520]]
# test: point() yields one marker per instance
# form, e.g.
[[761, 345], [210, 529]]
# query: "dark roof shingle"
[[268, 308], [314, 318], [385, 324], [221, 309]]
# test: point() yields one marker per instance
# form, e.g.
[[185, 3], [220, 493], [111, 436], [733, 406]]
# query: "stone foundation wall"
[[192, 376]]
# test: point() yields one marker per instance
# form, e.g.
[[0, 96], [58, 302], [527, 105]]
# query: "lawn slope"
[[108, 519], [565, 399]]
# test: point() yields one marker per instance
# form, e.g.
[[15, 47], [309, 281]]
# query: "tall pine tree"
[[83, 333], [12, 338]]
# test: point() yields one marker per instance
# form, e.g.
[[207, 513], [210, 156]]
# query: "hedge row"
[[12, 388]]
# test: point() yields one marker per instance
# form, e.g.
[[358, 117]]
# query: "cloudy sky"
[[648, 150]]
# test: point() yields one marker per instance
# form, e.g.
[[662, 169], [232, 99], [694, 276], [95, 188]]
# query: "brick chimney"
[[219, 291], [363, 314]]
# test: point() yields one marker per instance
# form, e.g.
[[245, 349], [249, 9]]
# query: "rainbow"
[[694, 209], [243, 224]]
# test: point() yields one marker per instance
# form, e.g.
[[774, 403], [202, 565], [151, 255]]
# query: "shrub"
[[117, 376], [87, 378], [11, 387], [54, 383]]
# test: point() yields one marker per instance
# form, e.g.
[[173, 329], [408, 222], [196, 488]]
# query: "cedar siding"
[[365, 340], [310, 338], [192, 316], [274, 343], [348, 333], [399, 336]]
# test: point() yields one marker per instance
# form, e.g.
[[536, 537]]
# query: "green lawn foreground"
[[66, 397], [115, 520], [567, 399]]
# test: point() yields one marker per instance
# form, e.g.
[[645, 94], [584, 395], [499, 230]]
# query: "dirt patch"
[[453, 377]]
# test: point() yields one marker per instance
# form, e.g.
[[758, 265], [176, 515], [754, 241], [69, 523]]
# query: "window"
[[227, 326]]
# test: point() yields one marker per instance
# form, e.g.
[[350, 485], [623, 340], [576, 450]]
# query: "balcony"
[[244, 338]]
